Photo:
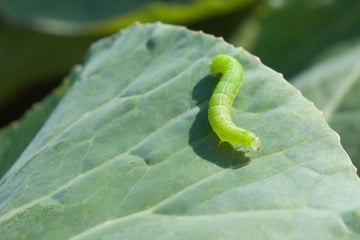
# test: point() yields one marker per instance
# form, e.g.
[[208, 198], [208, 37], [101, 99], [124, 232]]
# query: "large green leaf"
[[129, 154], [334, 86], [74, 17]]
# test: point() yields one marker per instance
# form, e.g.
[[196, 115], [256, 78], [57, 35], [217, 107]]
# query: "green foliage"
[[123, 148], [334, 86], [84, 16], [290, 38], [128, 153], [30, 60]]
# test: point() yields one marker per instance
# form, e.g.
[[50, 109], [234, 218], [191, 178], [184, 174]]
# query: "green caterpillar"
[[222, 100]]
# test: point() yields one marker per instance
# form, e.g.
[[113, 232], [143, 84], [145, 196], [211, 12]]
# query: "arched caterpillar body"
[[222, 100]]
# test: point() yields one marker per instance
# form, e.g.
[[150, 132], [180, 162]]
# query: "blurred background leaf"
[[83, 16], [289, 38], [334, 86], [31, 64]]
